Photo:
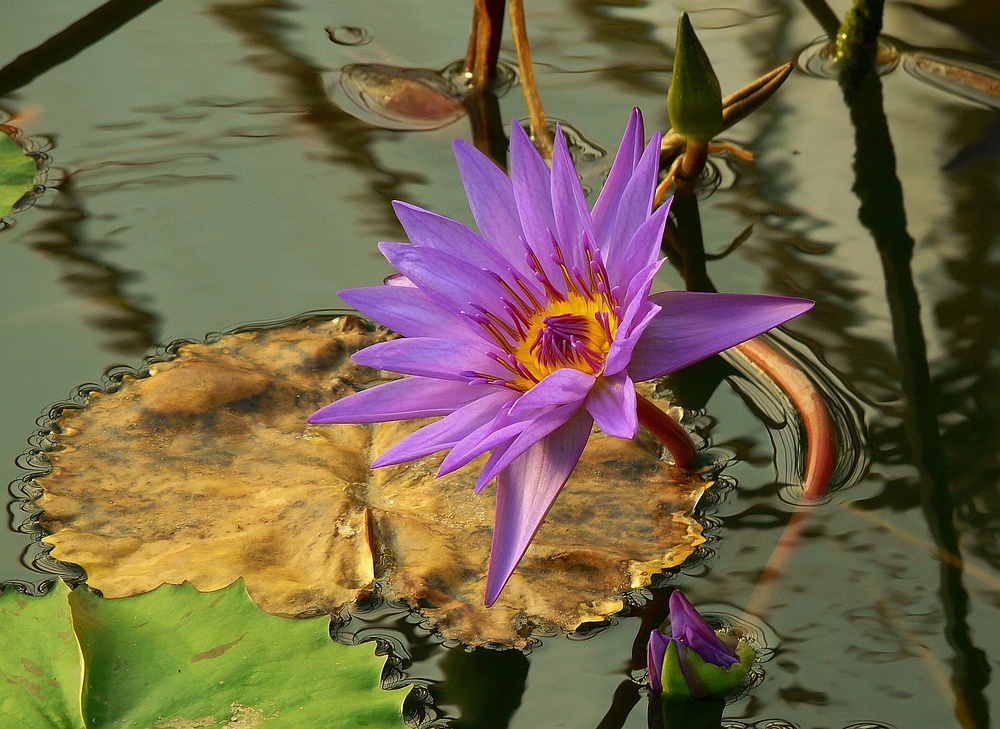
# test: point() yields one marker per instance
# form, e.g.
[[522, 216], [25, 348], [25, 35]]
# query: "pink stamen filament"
[[564, 340], [568, 339]]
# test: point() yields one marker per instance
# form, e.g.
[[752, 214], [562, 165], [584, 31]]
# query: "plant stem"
[[539, 128], [693, 161], [484, 42], [809, 402], [668, 431], [857, 40]]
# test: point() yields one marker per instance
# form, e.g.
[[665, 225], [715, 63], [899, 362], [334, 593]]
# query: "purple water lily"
[[693, 660], [525, 335]]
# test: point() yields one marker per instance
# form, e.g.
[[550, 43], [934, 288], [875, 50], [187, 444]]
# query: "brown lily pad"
[[207, 471]]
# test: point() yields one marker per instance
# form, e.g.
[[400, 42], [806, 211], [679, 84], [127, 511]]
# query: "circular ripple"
[[816, 59], [349, 35]]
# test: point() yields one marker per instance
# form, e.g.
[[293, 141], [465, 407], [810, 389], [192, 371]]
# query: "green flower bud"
[[694, 661], [695, 98]]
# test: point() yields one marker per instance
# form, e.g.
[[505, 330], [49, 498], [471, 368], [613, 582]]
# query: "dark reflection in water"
[[264, 27], [627, 38], [883, 214], [131, 325], [968, 385], [483, 687], [977, 21], [72, 40]]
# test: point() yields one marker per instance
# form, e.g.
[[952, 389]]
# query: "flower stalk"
[[809, 402], [484, 42], [668, 431], [857, 41], [536, 113]]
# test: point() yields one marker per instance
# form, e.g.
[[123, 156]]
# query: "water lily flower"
[[527, 333], [694, 660]]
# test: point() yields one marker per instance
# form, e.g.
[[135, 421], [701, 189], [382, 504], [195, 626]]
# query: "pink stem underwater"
[[668, 431], [808, 400]]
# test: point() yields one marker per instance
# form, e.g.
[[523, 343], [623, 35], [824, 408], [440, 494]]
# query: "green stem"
[[857, 40]]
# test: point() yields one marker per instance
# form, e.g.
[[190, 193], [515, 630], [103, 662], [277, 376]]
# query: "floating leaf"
[[969, 80], [175, 658], [17, 173], [41, 666], [394, 97], [207, 471]]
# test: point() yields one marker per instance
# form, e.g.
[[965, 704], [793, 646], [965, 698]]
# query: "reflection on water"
[[261, 28], [349, 35], [65, 44], [883, 214], [129, 326], [903, 340]]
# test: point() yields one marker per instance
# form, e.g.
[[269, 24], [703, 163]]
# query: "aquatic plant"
[[693, 660], [526, 335]]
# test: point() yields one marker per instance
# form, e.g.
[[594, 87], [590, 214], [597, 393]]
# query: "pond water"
[[207, 169]]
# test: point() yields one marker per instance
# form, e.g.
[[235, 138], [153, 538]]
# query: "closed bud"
[[693, 661], [694, 100]]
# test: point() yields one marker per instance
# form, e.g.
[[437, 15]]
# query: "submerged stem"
[[668, 431], [539, 128]]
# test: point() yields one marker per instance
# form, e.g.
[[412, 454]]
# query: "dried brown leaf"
[[207, 471]]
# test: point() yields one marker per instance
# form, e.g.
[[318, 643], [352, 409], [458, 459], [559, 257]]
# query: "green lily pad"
[[41, 666], [176, 657], [17, 173]]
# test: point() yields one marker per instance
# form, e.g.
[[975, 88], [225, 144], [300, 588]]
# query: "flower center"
[[569, 323], [575, 333], [564, 340]]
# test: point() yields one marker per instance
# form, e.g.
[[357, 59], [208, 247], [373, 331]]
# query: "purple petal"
[[409, 311], [450, 281], [612, 404], [525, 491], [507, 450], [425, 228], [689, 628], [410, 397], [510, 435], [491, 198], [636, 201], [559, 388], [643, 249], [623, 348], [570, 208], [446, 432], [629, 152], [692, 326], [531, 180], [656, 648], [444, 359], [637, 316], [466, 449]]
